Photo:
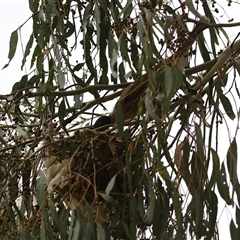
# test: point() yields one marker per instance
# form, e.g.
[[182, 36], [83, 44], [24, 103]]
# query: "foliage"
[[170, 173]]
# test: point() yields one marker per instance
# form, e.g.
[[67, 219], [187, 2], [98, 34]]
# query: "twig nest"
[[86, 163]]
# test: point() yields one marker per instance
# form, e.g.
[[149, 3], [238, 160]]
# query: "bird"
[[129, 102]]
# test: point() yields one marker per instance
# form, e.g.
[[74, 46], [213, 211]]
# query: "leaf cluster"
[[174, 174]]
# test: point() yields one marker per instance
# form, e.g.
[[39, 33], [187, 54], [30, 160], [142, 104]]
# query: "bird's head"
[[102, 121]]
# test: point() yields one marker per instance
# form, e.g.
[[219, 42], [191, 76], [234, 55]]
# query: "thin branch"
[[73, 92], [222, 59], [214, 25]]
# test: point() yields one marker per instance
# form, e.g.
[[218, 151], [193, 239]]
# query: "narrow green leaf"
[[103, 4], [70, 30], [161, 212], [2, 140], [119, 118], [223, 188], [236, 88], [148, 63], [40, 188], [214, 39], [109, 199], [12, 47], [154, 3], [97, 19], [200, 142], [5, 66], [227, 107], [23, 82], [173, 81], [48, 221], [148, 217], [234, 231], [113, 65], [26, 180], [54, 215], [237, 66], [123, 47], [78, 67], [149, 105], [42, 229], [62, 213], [238, 219], [224, 80], [62, 111], [27, 50], [203, 48], [232, 163], [39, 63], [151, 32], [34, 80], [122, 73], [37, 51], [61, 79], [177, 209], [51, 74], [58, 219], [178, 78], [25, 234], [126, 229], [33, 5], [110, 185], [212, 31], [104, 79], [215, 168], [102, 232], [91, 218], [134, 49], [213, 210], [226, 103], [185, 161], [168, 79], [62, 43], [87, 54], [167, 27], [103, 41], [208, 12], [190, 6]]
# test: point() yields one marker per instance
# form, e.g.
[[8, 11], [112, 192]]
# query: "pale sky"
[[14, 13]]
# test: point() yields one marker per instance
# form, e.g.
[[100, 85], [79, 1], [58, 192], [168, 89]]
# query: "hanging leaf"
[[27, 50], [215, 168], [200, 143], [232, 164], [103, 41], [33, 5], [12, 46], [110, 185], [119, 117], [223, 188], [41, 184], [234, 230], [226, 103], [62, 111], [168, 79]]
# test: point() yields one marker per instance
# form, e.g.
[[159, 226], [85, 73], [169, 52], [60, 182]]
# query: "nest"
[[85, 164]]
